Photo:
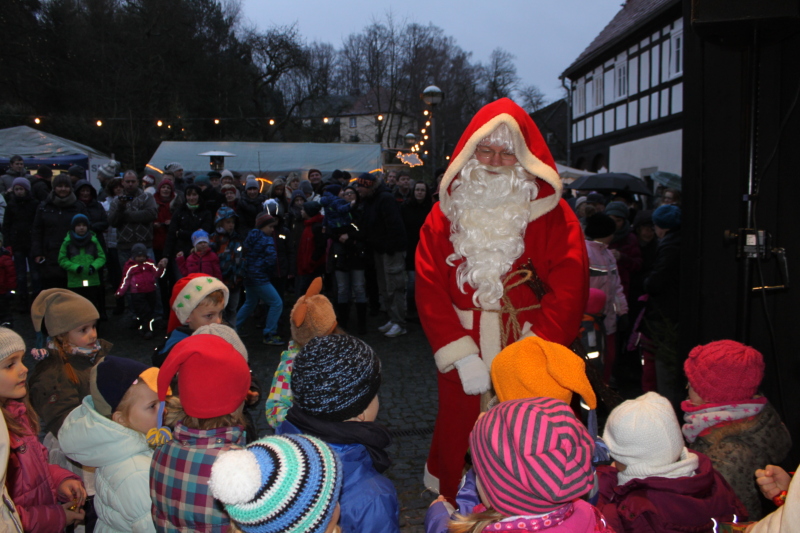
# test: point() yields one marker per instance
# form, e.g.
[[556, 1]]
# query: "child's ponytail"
[[473, 523], [62, 354]]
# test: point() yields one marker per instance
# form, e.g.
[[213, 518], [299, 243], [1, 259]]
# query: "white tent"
[[274, 158], [42, 148], [569, 174]]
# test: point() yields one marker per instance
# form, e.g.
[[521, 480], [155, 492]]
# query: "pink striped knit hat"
[[531, 456]]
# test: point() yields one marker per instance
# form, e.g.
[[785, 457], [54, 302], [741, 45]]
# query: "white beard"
[[488, 215]]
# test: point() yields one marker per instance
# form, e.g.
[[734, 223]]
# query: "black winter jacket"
[[663, 283], [50, 226], [18, 222], [184, 222], [98, 217], [383, 224]]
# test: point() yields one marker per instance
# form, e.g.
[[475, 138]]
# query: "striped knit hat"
[[531, 456], [288, 483]]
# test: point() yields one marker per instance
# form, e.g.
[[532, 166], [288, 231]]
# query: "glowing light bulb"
[[99, 123], [159, 123], [216, 121], [36, 120]]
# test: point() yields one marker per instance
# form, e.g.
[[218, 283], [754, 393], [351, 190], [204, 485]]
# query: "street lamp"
[[432, 96]]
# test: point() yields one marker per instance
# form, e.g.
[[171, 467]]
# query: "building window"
[[580, 99], [352, 122], [621, 79], [676, 54], [598, 92]]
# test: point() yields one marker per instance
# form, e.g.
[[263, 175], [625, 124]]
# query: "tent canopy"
[[274, 158], [44, 148]]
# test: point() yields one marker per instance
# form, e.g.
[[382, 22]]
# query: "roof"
[[633, 15], [373, 102], [271, 157], [29, 142]]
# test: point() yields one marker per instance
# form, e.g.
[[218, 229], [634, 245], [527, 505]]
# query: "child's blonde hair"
[[473, 523], [174, 413]]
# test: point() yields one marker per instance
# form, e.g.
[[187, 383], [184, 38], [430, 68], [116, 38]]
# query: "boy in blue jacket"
[[335, 381], [261, 257]]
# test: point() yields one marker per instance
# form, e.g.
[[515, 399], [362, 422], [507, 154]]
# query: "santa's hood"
[[530, 148]]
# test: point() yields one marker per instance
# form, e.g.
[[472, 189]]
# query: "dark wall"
[[719, 74]]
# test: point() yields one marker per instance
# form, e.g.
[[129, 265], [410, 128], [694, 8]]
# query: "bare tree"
[[500, 75], [532, 98]]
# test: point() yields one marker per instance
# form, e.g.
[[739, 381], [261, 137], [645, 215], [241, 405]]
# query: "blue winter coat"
[[368, 500], [260, 257], [122, 458]]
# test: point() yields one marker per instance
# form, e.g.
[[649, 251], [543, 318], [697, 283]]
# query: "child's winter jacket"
[[32, 481], [122, 458], [82, 260], [260, 257], [208, 263], [139, 277], [604, 275]]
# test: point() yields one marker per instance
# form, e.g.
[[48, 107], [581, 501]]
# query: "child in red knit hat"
[[197, 300], [213, 381], [726, 418]]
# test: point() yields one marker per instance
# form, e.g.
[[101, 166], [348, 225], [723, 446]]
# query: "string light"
[[422, 130], [425, 112], [380, 117], [425, 137], [36, 120], [99, 123], [272, 122], [325, 120], [216, 121], [159, 123], [428, 123]]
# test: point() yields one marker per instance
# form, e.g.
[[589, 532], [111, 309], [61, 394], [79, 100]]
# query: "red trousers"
[[454, 421]]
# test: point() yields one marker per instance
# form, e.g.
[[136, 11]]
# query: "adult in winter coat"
[[414, 210], [189, 217], [625, 245], [133, 214], [499, 213], [349, 261], [51, 224], [662, 369], [122, 458], [386, 238], [17, 228], [98, 218], [41, 183], [251, 204], [167, 202]]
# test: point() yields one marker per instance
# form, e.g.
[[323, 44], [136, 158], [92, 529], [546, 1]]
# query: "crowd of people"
[[92, 439]]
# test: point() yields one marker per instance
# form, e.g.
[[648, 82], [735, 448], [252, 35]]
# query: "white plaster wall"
[[663, 151]]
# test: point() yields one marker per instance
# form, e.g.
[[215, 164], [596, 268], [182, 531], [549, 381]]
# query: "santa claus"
[[499, 236]]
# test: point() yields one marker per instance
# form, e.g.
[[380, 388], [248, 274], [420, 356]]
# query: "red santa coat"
[[554, 243]]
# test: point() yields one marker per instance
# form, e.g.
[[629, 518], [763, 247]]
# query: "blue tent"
[[41, 148]]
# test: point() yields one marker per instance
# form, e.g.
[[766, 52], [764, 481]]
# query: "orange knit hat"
[[534, 367], [312, 315]]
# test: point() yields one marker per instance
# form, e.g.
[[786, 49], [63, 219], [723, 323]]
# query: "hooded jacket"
[[33, 482], [668, 505], [122, 458], [81, 253], [139, 277], [604, 275], [368, 500], [738, 449], [260, 257]]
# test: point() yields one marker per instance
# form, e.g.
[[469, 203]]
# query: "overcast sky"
[[544, 35]]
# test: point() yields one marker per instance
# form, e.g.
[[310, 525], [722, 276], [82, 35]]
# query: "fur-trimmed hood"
[[530, 148]]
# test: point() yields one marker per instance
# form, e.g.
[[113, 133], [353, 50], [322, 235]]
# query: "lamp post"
[[432, 96]]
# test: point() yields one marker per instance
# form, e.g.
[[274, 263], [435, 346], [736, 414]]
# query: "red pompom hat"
[[724, 371], [213, 378]]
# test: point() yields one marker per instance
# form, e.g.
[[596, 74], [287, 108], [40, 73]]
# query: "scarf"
[[89, 351], [373, 436], [700, 419], [67, 201], [685, 466], [622, 233], [77, 239], [191, 207]]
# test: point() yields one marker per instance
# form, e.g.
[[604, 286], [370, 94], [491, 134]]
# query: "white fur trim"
[[465, 317], [530, 162], [527, 331], [235, 477], [490, 337], [447, 355], [430, 481], [183, 307]]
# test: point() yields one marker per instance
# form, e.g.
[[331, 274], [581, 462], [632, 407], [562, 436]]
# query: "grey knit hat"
[[227, 333], [335, 377], [10, 343]]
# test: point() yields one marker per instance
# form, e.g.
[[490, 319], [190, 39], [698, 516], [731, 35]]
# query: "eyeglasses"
[[486, 154]]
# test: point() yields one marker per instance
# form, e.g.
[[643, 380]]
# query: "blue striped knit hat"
[[335, 377], [288, 483]]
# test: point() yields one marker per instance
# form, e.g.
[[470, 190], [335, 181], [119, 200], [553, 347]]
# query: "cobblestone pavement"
[[407, 395]]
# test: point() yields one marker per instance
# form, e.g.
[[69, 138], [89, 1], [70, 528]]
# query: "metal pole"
[[433, 147]]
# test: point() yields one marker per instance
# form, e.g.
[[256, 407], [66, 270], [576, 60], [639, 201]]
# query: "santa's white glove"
[[474, 375]]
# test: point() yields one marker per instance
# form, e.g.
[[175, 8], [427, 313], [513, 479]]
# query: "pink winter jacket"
[[139, 277], [195, 264], [32, 481], [604, 275]]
